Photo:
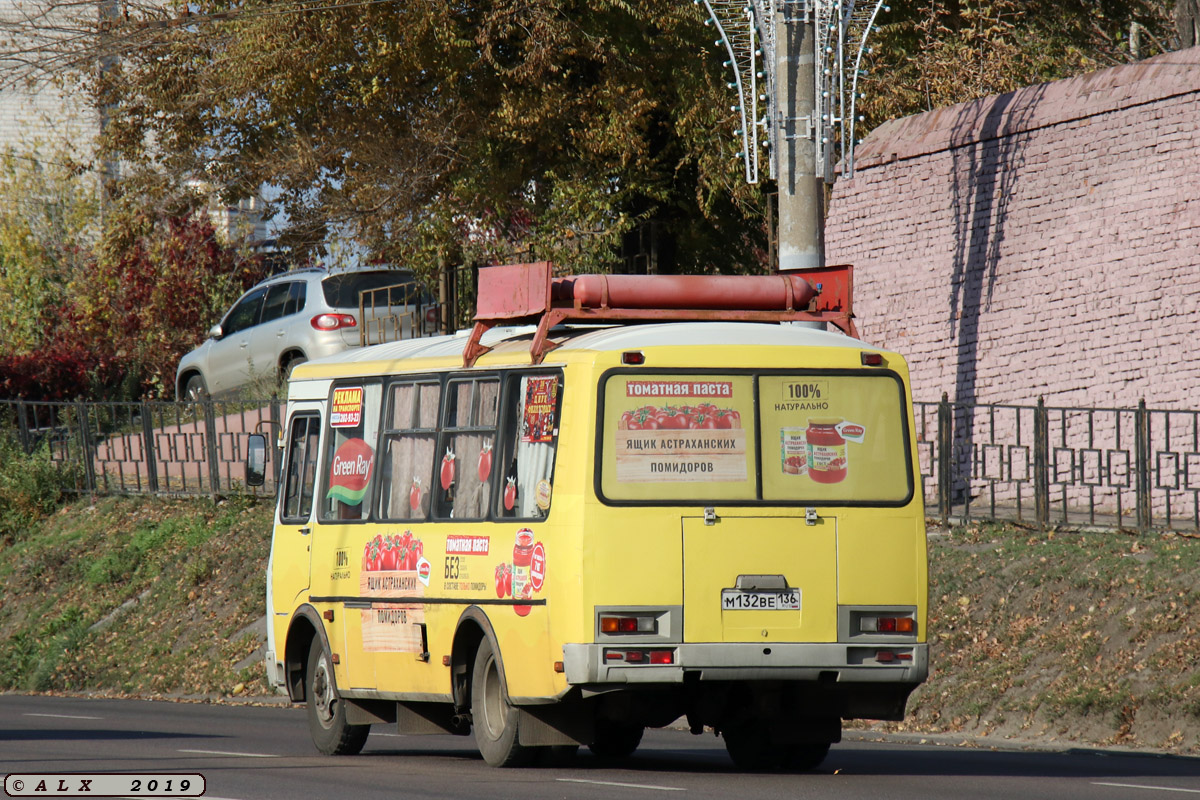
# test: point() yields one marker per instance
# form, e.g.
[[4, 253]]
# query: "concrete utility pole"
[[811, 55], [801, 189]]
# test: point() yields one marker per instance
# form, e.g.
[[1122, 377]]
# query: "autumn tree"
[[453, 131], [935, 53]]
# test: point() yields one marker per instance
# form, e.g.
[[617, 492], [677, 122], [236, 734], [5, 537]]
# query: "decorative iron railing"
[[1126, 468]]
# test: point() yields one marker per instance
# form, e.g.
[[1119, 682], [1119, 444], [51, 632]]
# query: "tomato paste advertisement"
[[523, 576], [678, 430], [393, 566], [833, 438]]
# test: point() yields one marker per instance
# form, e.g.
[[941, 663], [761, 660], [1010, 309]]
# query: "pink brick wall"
[[1040, 243]]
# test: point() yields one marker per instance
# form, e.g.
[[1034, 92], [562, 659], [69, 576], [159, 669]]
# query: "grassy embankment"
[[1071, 636]]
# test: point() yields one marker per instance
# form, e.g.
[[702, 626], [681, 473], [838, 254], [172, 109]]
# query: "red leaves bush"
[[144, 302]]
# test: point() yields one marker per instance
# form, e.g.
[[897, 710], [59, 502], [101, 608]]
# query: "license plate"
[[768, 600]]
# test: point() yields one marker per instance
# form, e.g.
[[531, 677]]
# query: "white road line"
[[625, 785], [62, 716], [1142, 786], [228, 753]]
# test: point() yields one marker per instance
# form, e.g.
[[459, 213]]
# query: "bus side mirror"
[[256, 460]]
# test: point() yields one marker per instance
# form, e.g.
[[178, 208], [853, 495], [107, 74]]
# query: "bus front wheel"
[[332, 735], [492, 716]]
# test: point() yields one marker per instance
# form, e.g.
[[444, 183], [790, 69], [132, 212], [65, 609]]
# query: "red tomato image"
[[503, 580], [485, 462], [390, 557], [414, 495], [448, 470], [510, 494], [728, 419], [373, 555]]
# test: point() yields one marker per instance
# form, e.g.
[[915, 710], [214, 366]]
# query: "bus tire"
[[615, 739], [492, 716], [752, 750], [332, 735], [806, 757]]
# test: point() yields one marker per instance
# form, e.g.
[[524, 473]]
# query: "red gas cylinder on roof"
[[716, 292]]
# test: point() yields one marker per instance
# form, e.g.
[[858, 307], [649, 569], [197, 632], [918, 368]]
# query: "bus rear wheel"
[[753, 750], [332, 735], [492, 716]]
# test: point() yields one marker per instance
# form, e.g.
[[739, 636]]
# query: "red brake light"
[[633, 358], [627, 624], [887, 624], [332, 322], [872, 359], [662, 656]]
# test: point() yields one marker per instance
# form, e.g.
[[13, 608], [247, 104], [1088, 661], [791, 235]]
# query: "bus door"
[[289, 554], [341, 540]]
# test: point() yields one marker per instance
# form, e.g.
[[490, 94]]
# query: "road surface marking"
[[624, 785], [62, 716], [1142, 786], [228, 753]]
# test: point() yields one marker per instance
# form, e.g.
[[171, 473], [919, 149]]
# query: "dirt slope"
[[1058, 636]]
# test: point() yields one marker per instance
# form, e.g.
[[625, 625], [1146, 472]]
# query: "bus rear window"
[[770, 437]]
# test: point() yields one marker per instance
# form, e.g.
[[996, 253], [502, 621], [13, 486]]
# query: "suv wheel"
[[195, 390]]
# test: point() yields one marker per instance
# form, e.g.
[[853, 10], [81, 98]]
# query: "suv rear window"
[[770, 437], [342, 290]]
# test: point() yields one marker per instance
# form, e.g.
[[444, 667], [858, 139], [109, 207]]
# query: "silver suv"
[[297, 316]]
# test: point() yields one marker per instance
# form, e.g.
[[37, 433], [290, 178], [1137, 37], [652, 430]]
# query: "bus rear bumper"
[[597, 666]]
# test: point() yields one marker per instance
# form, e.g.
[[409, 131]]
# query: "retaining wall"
[[1044, 242]]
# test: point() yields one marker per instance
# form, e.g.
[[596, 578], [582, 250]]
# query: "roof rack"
[[516, 294]]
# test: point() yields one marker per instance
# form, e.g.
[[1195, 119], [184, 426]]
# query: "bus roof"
[[510, 345]]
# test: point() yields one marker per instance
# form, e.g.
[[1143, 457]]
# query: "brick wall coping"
[[1032, 107]]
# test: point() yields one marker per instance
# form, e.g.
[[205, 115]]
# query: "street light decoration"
[[747, 31]]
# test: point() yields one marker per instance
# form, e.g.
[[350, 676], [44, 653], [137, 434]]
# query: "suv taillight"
[[331, 322]]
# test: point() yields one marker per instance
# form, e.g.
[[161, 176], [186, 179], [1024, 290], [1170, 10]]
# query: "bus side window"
[[301, 475], [409, 440], [350, 458], [529, 444], [464, 469]]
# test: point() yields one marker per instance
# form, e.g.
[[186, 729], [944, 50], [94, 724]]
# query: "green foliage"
[[48, 216], [32, 486]]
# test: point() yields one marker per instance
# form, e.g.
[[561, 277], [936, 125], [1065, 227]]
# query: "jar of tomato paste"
[[826, 451], [522, 558]]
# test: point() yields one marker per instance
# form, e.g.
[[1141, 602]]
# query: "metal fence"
[[148, 447], [1130, 468], [1134, 468]]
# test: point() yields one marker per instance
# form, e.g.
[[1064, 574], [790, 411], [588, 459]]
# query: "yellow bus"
[[564, 534]]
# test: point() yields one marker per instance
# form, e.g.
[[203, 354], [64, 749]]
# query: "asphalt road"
[[264, 753]]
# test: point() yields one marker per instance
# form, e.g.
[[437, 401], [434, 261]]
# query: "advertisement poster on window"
[[679, 430], [833, 437], [541, 398]]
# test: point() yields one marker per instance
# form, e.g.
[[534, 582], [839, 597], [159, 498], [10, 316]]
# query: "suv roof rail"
[[529, 294]]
